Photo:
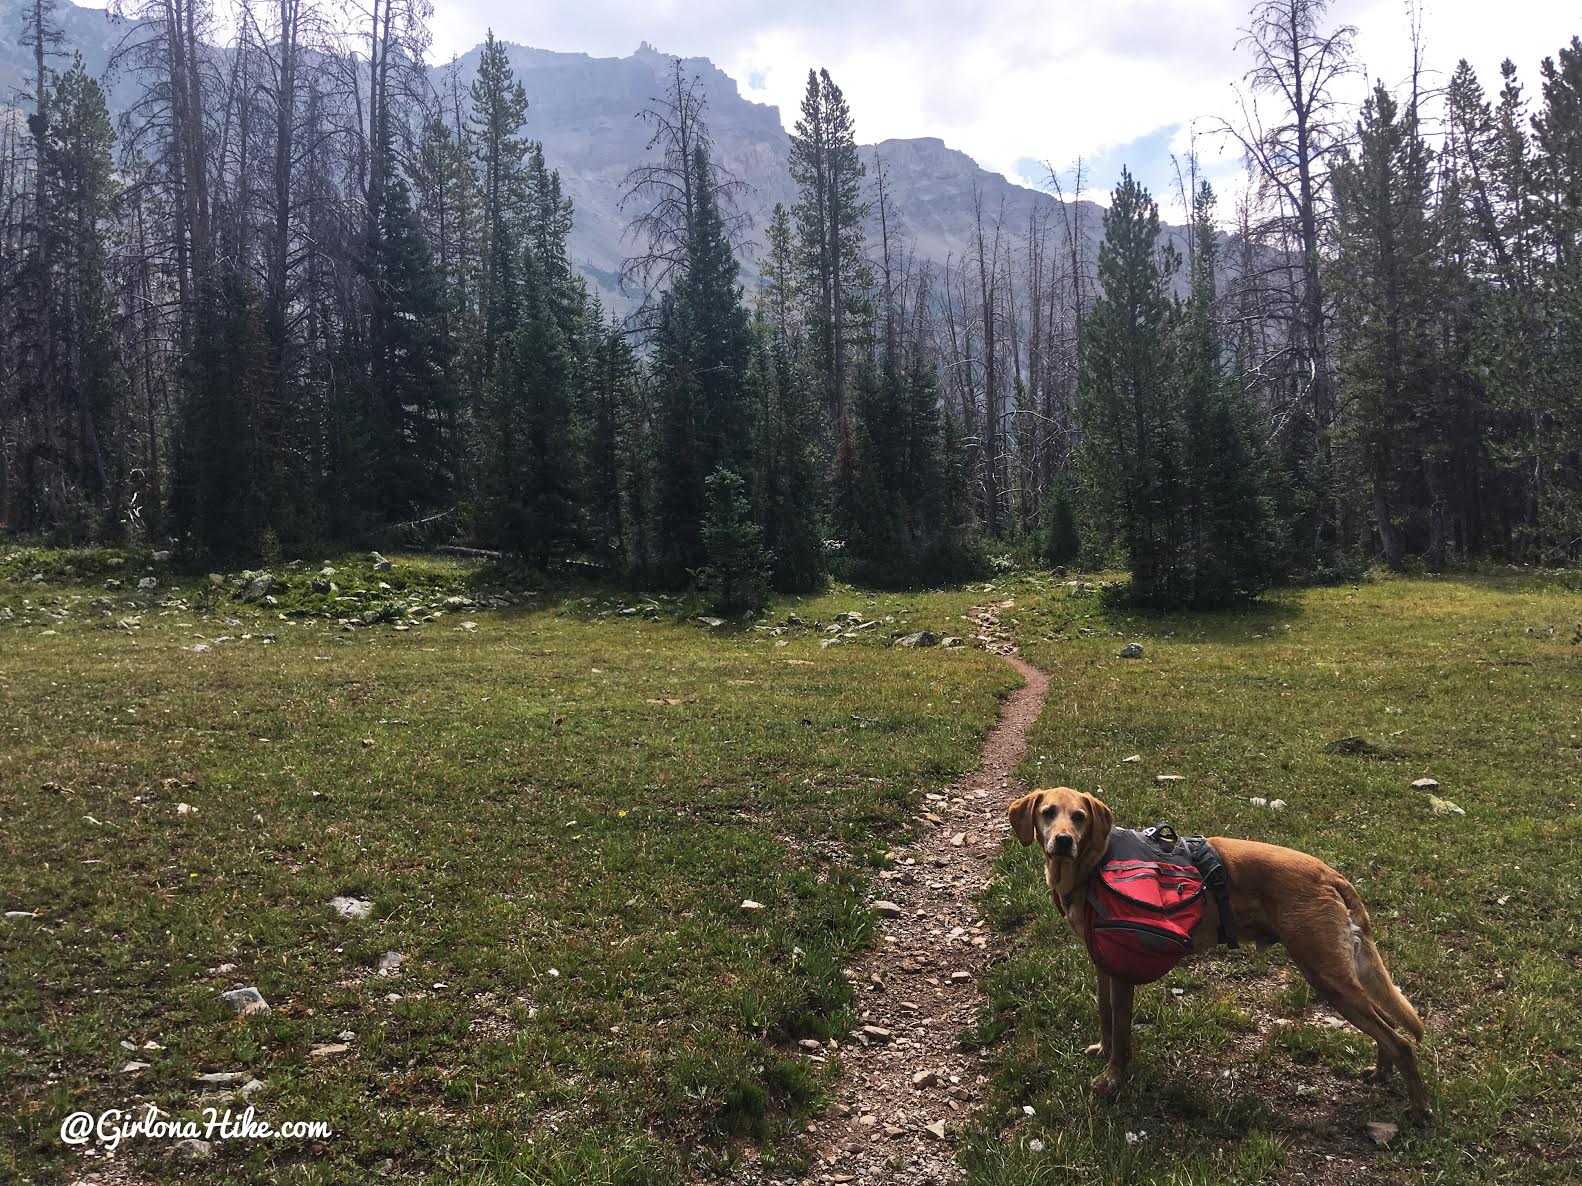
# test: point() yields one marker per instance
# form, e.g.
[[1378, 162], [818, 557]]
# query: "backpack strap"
[[1208, 862]]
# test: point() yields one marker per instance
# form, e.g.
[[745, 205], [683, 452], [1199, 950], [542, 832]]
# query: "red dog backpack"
[[1143, 902]]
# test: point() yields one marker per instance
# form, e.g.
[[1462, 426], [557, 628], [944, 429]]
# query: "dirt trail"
[[905, 1082]]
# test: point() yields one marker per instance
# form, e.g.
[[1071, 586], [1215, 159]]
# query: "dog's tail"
[[1375, 977]]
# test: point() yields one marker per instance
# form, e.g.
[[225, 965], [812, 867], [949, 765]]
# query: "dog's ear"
[[1096, 839], [1022, 822], [1100, 820]]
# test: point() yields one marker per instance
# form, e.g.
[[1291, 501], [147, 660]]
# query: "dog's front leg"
[[1119, 1039], [1102, 1046]]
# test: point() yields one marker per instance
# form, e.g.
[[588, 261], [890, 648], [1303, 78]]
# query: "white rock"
[[351, 907], [245, 1000]]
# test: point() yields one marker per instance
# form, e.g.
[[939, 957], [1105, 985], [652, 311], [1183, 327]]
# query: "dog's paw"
[[1422, 1116], [1106, 1082], [1096, 1048]]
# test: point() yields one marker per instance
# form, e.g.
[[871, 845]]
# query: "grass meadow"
[[555, 802]]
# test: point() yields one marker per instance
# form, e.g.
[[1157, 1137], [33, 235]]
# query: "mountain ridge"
[[586, 110]]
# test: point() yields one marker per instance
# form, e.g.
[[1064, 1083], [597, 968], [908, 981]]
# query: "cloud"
[[1011, 81]]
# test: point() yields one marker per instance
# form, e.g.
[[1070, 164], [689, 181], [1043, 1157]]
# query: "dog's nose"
[[1064, 844]]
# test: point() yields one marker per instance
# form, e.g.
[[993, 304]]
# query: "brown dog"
[[1277, 895]]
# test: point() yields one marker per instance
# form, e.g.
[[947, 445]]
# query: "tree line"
[[306, 294]]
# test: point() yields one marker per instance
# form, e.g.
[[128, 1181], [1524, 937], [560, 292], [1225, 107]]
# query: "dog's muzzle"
[[1064, 846]]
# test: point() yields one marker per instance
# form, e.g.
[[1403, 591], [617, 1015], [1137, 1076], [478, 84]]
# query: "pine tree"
[[736, 575], [1231, 536], [702, 354], [1132, 429], [79, 188], [829, 216], [789, 495], [528, 455], [499, 109], [1383, 287], [1062, 543], [412, 400]]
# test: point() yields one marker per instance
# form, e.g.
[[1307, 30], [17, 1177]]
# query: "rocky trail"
[[905, 1082]]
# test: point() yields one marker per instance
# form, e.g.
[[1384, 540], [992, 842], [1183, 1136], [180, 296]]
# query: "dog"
[[1277, 895]]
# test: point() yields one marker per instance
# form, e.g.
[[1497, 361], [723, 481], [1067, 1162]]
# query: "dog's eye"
[[1050, 812], [1078, 816]]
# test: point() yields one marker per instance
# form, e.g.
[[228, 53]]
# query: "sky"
[[1016, 84]]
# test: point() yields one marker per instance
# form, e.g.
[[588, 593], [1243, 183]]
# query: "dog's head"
[[1066, 824]]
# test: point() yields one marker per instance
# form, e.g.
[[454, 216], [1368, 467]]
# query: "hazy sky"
[[1014, 83]]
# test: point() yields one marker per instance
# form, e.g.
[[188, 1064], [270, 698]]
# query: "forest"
[[301, 296]]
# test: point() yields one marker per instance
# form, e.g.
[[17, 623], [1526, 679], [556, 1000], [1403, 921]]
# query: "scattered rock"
[[380, 563], [887, 909], [876, 1033], [1445, 806], [161, 556], [922, 638], [1276, 804], [249, 1089], [1382, 1132], [148, 583], [220, 1078], [925, 1079], [961, 977], [389, 963], [711, 622], [749, 904], [1132, 650], [936, 1130], [1426, 785], [20, 914], [1169, 778], [133, 1066], [1133, 758], [245, 1000], [352, 907], [192, 1149], [326, 1049], [257, 588]]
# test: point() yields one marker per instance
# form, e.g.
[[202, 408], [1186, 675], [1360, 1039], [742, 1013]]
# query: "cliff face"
[[586, 110]]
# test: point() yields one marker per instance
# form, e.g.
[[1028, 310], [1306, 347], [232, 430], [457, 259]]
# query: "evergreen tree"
[[789, 495], [79, 188], [499, 109], [1131, 422], [528, 455], [829, 217], [1062, 542], [702, 353], [1230, 517], [412, 400], [1383, 289], [736, 576]]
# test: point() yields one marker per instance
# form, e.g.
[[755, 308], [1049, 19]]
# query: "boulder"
[[922, 638], [257, 588], [1132, 650], [245, 1000]]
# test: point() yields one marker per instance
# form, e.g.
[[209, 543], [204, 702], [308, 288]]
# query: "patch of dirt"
[[905, 1081]]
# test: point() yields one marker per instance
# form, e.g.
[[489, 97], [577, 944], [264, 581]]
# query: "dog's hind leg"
[[1328, 957], [1375, 977]]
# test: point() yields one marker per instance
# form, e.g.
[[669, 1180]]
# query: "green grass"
[[556, 814], [557, 811], [1476, 682]]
